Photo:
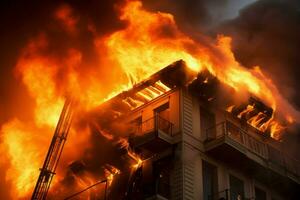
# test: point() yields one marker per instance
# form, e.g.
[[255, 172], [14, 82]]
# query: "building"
[[194, 149]]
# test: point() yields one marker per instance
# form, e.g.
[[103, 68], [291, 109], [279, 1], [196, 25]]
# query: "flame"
[[157, 41], [149, 42], [248, 109], [256, 120], [110, 172], [125, 144], [141, 49], [261, 121], [230, 108], [135, 157]]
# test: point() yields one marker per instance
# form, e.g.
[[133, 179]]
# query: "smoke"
[[266, 33], [198, 15]]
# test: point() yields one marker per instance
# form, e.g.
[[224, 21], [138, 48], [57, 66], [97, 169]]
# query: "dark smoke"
[[265, 33]]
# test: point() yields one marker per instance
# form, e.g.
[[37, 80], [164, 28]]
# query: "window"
[[210, 181], [236, 188], [162, 118], [161, 172], [163, 111], [260, 194], [207, 123]]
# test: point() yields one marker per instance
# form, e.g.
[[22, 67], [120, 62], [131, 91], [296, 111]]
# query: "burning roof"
[[207, 87], [154, 86]]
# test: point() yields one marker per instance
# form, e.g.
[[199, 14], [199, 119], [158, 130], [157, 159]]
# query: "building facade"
[[195, 150]]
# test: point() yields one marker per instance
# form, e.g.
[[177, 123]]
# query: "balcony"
[[251, 153], [227, 194], [154, 134]]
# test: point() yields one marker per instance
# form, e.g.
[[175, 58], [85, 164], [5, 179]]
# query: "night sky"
[[265, 33]]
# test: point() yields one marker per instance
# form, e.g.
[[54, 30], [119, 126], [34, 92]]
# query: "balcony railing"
[[153, 125], [227, 194], [223, 195], [256, 146], [157, 188]]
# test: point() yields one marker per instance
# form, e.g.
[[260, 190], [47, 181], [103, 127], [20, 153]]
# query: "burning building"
[[204, 127], [184, 142], [192, 147]]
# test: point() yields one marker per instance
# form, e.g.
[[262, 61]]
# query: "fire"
[[84, 182], [158, 41], [21, 138], [125, 144], [229, 109], [152, 40], [141, 49], [247, 110], [260, 121], [149, 42], [135, 157], [110, 172]]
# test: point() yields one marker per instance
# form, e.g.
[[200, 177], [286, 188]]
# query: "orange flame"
[[110, 172], [257, 121], [125, 144], [149, 42]]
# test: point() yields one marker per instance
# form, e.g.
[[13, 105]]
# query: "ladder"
[[54, 152]]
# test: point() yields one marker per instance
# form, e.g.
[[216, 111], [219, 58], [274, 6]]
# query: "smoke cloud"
[[265, 33]]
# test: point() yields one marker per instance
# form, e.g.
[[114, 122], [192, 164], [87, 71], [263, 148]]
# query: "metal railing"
[[153, 125], [239, 135], [223, 195], [267, 152], [228, 194], [157, 188]]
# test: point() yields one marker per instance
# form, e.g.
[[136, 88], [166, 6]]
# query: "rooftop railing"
[[255, 145]]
